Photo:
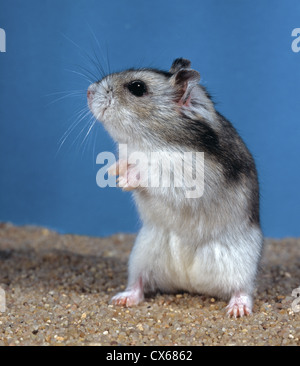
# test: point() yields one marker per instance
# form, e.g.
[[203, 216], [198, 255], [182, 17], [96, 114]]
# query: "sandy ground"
[[58, 287]]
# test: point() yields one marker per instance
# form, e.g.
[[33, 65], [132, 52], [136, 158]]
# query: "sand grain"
[[58, 288]]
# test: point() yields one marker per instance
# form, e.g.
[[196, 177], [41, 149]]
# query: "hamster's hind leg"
[[239, 305], [133, 295], [140, 268]]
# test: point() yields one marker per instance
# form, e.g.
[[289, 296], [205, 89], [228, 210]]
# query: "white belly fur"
[[192, 257]]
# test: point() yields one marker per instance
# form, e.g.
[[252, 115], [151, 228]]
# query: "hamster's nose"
[[90, 94]]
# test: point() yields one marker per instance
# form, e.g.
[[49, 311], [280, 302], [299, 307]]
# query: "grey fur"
[[209, 245]]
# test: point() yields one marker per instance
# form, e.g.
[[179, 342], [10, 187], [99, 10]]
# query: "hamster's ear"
[[184, 82], [180, 63]]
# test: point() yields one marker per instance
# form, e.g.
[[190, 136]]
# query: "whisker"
[[98, 65], [80, 116], [92, 124], [91, 74], [65, 92], [89, 130], [83, 125], [81, 131], [85, 55], [95, 140], [78, 120], [81, 74], [71, 94], [100, 50], [107, 58], [71, 127]]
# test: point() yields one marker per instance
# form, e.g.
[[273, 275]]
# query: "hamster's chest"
[[162, 197], [163, 207]]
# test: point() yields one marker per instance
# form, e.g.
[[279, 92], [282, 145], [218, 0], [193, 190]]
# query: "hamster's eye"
[[137, 88]]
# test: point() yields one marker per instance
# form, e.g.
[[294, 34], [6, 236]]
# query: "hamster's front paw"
[[129, 175], [239, 305], [127, 183]]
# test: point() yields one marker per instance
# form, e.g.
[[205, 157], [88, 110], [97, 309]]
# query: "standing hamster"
[[209, 244]]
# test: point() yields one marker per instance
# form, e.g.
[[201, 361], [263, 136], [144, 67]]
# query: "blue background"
[[241, 48]]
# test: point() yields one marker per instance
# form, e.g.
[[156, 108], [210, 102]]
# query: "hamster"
[[208, 245]]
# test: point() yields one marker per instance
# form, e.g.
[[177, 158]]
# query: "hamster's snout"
[[99, 99], [90, 93]]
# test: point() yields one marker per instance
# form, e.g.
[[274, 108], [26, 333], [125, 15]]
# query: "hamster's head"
[[147, 104]]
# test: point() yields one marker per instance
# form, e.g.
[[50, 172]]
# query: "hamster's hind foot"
[[239, 305], [130, 297]]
